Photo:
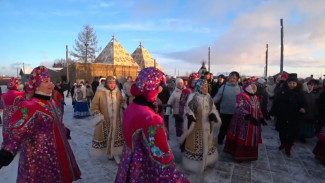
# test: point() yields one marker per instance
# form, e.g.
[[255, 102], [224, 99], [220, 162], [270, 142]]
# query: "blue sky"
[[176, 32]]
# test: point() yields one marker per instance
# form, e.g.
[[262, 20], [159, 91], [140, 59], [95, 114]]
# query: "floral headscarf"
[[200, 84], [36, 77], [13, 83]]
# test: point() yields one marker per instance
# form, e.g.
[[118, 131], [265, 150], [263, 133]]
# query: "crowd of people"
[[131, 121]]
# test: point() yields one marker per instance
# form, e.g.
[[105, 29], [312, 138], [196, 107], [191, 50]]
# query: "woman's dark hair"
[[234, 73]]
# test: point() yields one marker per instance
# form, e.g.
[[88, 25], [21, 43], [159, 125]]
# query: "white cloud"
[[242, 46]]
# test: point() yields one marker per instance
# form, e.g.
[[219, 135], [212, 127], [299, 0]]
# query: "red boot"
[[288, 149]]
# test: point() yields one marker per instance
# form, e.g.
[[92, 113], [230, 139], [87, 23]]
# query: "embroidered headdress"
[[147, 83], [13, 83], [36, 77]]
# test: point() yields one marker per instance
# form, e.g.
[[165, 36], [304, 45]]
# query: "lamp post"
[[86, 44]]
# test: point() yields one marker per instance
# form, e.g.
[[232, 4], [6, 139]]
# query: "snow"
[[93, 169], [98, 170]]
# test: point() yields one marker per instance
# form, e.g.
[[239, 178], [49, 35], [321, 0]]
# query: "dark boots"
[[288, 149], [282, 146]]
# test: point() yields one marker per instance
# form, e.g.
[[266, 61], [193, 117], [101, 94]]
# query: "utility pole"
[[281, 63], [154, 63], [209, 59], [266, 59], [67, 61]]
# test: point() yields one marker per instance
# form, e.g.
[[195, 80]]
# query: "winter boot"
[[288, 149]]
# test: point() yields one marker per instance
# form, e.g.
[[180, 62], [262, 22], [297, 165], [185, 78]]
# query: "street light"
[[86, 44]]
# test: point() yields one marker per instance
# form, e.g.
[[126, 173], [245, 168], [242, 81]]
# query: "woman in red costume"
[[9, 102], [146, 156], [37, 130], [244, 133]]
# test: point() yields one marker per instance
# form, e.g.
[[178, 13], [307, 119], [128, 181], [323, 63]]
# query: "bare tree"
[[86, 45], [60, 63]]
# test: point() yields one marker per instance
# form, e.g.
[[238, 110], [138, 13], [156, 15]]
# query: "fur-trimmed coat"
[[108, 133], [200, 149]]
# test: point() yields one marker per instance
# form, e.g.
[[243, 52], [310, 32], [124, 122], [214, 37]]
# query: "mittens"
[[263, 122], [247, 117], [6, 158], [213, 117], [254, 121], [190, 119]]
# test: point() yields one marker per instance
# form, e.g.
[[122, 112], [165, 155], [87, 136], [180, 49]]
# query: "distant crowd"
[[131, 121]]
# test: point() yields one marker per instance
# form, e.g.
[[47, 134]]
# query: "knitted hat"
[[285, 75], [147, 83], [13, 83], [36, 77]]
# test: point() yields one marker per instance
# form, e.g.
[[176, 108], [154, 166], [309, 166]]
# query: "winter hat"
[[285, 76], [261, 81], [36, 77], [147, 83], [200, 84], [102, 79], [247, 85], [13, 83], [292, 77], [192, 77], [110, 79]]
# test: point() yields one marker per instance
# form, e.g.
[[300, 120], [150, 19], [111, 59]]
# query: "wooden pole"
[[67, 61], [281, 63], [266, 59], [209, 60]]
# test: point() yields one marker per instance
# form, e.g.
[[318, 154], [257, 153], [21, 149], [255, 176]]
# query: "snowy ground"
[[272, 166]]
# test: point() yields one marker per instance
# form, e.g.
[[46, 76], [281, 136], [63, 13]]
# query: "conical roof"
[[115, 54], [144, 58]]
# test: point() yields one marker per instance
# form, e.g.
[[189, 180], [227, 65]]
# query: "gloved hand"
[[182, 146], [190, 119], [247, 117], [263, 122], [6, 158], [254, 121], [213, 117]]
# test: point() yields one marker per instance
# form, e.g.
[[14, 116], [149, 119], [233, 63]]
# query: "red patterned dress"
[[37, 130], [146, 156], [9, 102], [243, 137]]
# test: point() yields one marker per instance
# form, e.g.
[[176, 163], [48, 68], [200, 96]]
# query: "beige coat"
[[108, 134]]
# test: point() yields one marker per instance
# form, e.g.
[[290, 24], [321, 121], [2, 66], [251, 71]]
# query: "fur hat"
[[36, 77], [292, 77], [110, 79], [13, 83]]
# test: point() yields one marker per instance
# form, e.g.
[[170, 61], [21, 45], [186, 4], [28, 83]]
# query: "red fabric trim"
[[62, 155], [250, 135]]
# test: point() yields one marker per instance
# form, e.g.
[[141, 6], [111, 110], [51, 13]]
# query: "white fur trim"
[[96, 119]]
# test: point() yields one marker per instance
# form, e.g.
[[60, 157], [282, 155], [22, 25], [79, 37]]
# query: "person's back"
[[146, 156]]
